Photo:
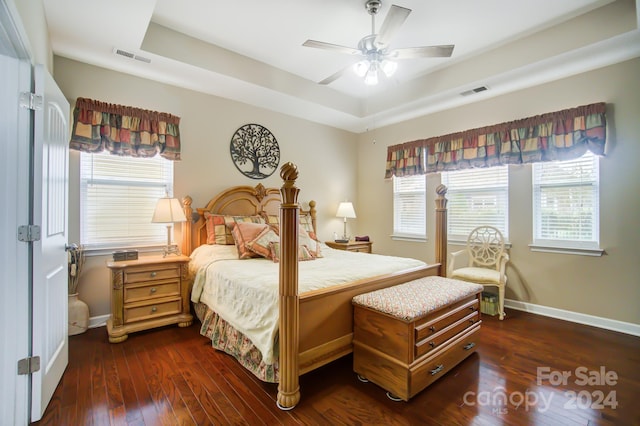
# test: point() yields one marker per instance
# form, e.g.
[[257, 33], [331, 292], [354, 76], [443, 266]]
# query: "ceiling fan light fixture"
[[388, 67], [371, 79], [361, 68]]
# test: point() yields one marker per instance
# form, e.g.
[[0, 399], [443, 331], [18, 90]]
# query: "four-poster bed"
[[315, 327]]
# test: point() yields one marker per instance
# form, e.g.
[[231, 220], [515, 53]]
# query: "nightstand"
[[149, 292], [360, 246]]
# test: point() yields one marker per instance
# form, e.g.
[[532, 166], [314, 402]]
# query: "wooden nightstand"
[[149, 292], [361, 246]]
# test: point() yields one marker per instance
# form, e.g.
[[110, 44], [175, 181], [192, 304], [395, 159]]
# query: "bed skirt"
[[226, 338]]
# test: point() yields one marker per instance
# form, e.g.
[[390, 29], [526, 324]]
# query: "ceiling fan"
[[374, 48]]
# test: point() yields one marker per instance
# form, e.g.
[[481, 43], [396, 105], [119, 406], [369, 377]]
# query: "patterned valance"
[[124, 130], [561, 135]]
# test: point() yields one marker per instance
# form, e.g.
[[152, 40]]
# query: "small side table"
[[358, 246], [149, 292]]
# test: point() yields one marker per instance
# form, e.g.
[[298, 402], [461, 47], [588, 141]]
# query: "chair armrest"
[[504, 259], [454, 256]]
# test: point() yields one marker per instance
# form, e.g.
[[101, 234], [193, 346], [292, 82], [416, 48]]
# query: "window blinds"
[[565, 202], [117, 198], [477, 197], [409, 206]]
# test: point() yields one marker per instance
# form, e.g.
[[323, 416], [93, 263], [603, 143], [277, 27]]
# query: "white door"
[[15, 136], [49, 294]]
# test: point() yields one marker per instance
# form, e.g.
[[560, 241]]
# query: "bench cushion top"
[[417, 298]]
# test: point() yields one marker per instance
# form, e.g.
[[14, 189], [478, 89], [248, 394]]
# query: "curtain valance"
[[124, 130], [561, 135]]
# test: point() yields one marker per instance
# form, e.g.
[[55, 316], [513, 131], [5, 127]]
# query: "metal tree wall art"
[[255, 151]]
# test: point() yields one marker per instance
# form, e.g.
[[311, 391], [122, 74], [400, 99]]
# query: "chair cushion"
[[477, 275]]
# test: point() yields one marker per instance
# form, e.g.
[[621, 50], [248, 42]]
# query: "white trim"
[[567, 250], [577, 317], [399, 237], [99, 321]]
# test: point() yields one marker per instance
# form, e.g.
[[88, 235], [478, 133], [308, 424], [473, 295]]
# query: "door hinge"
[[29, 233], [29, 365], [31, 100]]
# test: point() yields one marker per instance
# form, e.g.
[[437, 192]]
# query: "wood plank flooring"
[[172, 376]]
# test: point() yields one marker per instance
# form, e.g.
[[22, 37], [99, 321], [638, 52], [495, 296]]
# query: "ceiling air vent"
[[476, 90], [131, 55]]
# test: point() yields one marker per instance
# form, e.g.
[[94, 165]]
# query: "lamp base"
[[343, 240], [171, 249]]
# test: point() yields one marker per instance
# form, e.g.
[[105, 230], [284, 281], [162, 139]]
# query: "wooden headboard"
[[237, 201]]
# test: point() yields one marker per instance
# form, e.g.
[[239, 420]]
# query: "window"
[[477, 197], [565, 203], [409, 214], [117, 198]]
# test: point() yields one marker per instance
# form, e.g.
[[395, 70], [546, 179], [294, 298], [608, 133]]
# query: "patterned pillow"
[[242, 233], [308, 239], [260, 244], [219, 227], [303, 252], [274, 220]]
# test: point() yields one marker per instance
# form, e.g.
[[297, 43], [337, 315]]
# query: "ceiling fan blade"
[[443, 51], [395, 18], [334, 47], [333, 77]]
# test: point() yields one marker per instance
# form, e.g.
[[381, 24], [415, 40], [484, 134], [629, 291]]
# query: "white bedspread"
[[245, 292]]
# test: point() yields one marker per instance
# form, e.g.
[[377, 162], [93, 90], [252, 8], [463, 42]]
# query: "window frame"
[[567, 246]]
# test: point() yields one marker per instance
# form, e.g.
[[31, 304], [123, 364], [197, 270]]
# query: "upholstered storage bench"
[[409, 335]]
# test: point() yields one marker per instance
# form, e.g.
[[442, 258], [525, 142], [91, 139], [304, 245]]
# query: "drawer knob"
[[437, 369], [432, 329], [432, 344], [472, 308], [154, 309], [471, 320], [153, 289], [469, 346], [153, 274]]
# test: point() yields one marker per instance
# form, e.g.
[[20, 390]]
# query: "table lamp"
[[169, 211], [346, 211]]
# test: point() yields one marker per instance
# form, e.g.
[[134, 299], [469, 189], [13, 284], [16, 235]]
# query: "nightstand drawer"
[[146, 273], [362, 248], [160, 308], [149, 290]]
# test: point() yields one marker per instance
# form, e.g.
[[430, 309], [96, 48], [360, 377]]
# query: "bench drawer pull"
[[469, 346], [437, 369]]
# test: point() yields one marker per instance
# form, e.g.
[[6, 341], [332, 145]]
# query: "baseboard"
[[606, 323], [99, 321]]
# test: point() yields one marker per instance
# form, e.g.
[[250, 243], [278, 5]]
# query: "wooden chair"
[[487, 261]]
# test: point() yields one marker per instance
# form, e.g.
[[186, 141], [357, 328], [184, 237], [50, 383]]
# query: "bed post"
[[186, 226], [441, 229], [289, 388]]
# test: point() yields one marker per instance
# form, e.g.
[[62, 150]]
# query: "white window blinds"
[[477, 197], [409, 207], [117, 198], [566, 204]]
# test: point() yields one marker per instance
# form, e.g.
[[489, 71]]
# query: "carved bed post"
[[441, 229], [186, 226], [289, 388]]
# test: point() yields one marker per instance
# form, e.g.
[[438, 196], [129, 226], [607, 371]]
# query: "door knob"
[[68, 247]]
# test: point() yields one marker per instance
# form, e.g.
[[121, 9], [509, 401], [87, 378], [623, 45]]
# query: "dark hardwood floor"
[[172, 376]]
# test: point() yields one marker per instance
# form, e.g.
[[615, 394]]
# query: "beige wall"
[[325, 156], [607, 286]]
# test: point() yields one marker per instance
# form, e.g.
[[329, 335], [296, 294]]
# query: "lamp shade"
[[345, 209], [168, 210]]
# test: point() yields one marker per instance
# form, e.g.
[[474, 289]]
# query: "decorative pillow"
[[308, 239], [274, 220], [219, 226], [242, 233], [303, 252], [260, 244]]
